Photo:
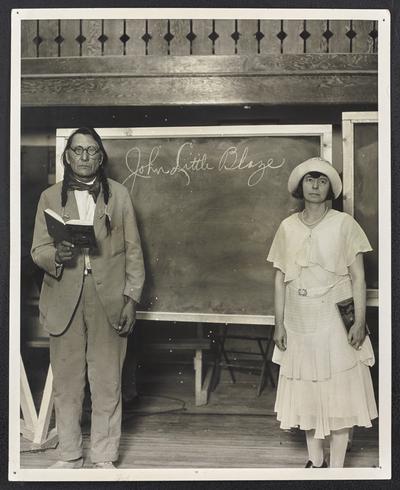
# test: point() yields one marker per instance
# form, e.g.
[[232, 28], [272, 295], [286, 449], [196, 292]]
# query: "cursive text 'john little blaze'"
[[232, 160]]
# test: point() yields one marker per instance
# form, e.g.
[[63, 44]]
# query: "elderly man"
[[88, 298]]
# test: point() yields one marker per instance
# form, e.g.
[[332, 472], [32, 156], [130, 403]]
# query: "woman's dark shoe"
[[310, 465]]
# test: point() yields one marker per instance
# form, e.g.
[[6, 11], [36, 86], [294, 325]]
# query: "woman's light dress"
[[324, 383]]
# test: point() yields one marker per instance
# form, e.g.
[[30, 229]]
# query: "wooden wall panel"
[[113, 29], [270, 44], [92, 30], [214, 66], [48, 31], [280, 89], [28, 33], [224, 44], [202, 44], [70, 30], [363, 42], [316, 43], [293, 43], [180, 45], [339, 42], [247, 42], [157, 30], [135, 29]]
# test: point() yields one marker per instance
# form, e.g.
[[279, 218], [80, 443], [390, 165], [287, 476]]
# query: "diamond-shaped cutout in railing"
[[235, 36], [146, 37], [80, 39], [59, 39], [124, 38], [259, 35], [103, 38], [37, 40], [191, 36], [168, 37], [281, 35], [305, 35], [373, 34], [327, 34], [213, 36], [351, 34]]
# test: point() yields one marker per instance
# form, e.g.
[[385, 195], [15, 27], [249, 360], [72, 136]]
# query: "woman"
[[324, 386]]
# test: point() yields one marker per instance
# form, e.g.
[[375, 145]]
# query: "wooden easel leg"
[[42, 437], [263, 368], [202, 389], [351, 436], [216, 352], [225, 355], [29, 414], [198, 368], [35, 427]]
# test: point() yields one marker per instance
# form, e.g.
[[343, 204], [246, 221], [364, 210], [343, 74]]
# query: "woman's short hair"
[[298, 192]]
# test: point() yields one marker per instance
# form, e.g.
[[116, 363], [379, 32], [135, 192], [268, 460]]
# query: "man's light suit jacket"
[[117, 265]]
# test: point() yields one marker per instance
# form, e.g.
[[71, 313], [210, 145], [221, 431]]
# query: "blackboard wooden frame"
[[324, 132], [349, 119]]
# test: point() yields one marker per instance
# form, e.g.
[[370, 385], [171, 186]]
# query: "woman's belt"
[[318, 291]]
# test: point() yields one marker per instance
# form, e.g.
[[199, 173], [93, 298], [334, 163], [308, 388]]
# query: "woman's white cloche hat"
[[315, 164]]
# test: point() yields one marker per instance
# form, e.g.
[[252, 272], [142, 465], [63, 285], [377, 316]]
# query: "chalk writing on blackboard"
[[187, 162]]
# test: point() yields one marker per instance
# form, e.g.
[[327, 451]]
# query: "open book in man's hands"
[[76, 231]]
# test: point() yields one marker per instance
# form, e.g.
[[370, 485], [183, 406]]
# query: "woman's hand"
[[279, 303], [356, 333], [356, 336], [280, 337]]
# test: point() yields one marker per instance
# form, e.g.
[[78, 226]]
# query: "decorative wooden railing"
[[138, 37], [166, 62]]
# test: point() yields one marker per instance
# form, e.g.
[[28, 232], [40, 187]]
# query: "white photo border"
[[16, 473]]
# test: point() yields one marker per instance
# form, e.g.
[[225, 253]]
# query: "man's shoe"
[[105, 465], [310, 465], [67, 465]]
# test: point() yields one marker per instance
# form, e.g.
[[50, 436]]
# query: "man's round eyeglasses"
[[91, 150]]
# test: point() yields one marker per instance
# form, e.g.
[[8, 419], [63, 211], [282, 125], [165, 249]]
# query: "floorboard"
[[236, 429]]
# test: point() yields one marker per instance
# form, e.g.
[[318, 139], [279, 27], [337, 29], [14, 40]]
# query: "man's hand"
[[356, 336], [64, 252], [280, 337], [128, 318]]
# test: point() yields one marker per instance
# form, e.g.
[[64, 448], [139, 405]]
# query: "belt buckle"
[[302, 292]]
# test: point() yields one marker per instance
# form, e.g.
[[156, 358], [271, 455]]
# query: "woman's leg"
[[315, 448], [338, 447]]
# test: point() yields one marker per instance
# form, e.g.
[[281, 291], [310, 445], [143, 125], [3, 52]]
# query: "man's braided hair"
[[68, 171]]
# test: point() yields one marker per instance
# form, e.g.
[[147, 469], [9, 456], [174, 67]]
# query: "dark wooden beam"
[[147, 66], [170, 80]]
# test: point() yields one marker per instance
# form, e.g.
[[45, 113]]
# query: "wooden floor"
[[236, 428]]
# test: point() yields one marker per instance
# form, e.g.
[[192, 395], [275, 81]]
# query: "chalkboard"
[[360, 184], [208, 203]]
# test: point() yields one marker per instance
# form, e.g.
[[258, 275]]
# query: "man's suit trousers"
[[89, 343]]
